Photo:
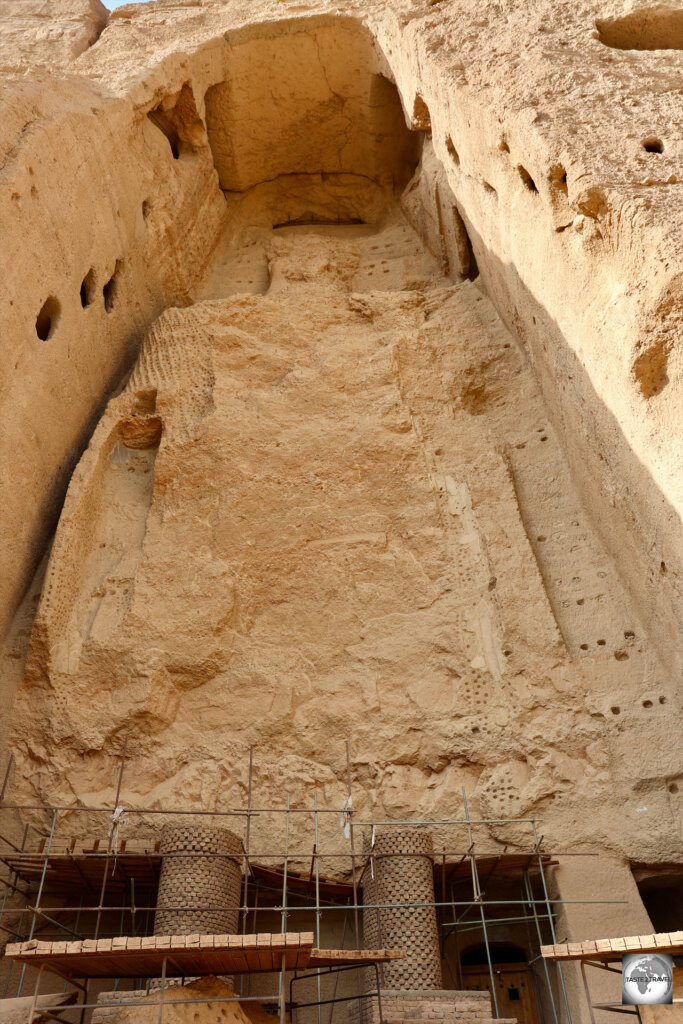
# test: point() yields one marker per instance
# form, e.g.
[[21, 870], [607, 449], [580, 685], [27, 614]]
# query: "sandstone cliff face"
[[558, 162], [339, 509], [50, 32], [347, 491]]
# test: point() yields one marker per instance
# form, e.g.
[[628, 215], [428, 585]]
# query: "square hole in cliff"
[[661, 890]]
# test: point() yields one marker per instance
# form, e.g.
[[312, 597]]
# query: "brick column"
[[199, 881], [403, 880]]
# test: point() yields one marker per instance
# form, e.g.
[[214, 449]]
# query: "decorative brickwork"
[[401, 879], [200, 882]]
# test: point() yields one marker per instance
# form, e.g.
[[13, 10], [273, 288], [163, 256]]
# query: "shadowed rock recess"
[[341, 363]]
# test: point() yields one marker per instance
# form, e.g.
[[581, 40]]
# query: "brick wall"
[[197, 881], [406, 1006], [402, 879], [104, 1014]]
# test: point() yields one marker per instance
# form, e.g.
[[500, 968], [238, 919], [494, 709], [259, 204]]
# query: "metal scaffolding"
[[272, 884]]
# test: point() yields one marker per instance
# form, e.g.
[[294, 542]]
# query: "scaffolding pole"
[[45, 865], [550, 919]]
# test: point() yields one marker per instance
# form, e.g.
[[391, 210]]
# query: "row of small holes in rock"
[[558, 175], [539, 430], [50, 311], [48, 317], [647, 704], [619, 655]]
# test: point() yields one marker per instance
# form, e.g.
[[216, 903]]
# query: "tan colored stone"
[[345, 487], [49, 32]]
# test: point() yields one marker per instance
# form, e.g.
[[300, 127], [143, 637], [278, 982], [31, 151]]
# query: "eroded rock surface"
[[48, 32], [336, 507], [560, 163], [399, 460]]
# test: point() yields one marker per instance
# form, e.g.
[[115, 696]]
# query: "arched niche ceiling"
[[308, 100]]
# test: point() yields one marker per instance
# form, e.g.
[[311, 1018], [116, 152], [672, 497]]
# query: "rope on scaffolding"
[[345, 817], [373, 837]]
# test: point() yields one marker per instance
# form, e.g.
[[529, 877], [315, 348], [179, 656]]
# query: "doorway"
[[513, 980]]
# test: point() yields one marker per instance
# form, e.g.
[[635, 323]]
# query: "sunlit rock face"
[[48, 32], [392, 333]]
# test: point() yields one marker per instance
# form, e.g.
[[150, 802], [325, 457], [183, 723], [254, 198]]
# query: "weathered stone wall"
[[107, 243], [48, 32], [458, 618], [346, 491], [540, 246]]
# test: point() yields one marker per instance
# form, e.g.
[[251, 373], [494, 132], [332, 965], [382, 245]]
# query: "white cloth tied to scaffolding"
[[115, 820], [373, 836], [345, 817]]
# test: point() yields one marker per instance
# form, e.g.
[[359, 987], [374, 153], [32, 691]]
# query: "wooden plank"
[[613, 949], [240, 959], [265, 957], [215, 963], [129, 956], [86, 862]]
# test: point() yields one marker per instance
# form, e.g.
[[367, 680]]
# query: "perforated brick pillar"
[[196, 881], [403, 880]]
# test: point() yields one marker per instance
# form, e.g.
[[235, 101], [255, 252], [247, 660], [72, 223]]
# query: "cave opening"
[[178, 120]]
